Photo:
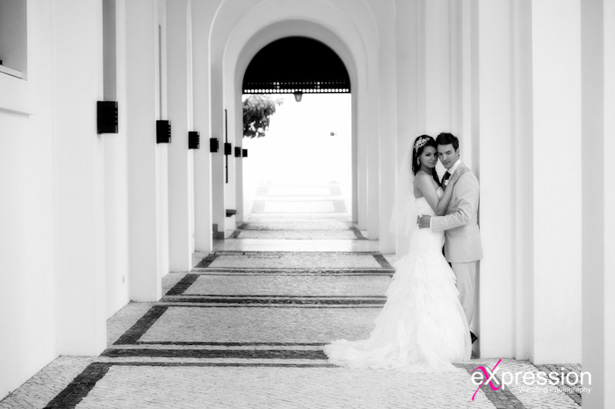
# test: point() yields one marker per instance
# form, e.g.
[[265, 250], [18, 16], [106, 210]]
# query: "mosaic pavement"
[[246, 330]]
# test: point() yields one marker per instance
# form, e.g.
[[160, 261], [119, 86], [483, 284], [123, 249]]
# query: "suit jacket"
[[460, 223]]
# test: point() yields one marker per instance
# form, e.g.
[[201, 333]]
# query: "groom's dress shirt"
[[454, 167]]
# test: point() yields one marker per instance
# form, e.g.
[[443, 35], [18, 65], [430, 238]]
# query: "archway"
[[237, 37], [309, 145]]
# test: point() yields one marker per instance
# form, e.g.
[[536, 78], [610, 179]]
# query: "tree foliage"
[[257, 110]]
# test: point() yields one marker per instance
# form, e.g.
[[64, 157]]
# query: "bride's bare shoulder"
[[421, 177], [420, 180]]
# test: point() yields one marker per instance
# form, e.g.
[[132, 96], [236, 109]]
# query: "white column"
[[162, 149], [388, 128], [357, 190], [369, 148], [495, 125], [359, 97], [230, 183], [239, 189], [143, 152], [80, 284], [201, 19], [180, 255], [373, 167], [231, 100], [598, 228], [116, 163], [556, 36], [609, 204], [524, 178], [236, 97], [218, 121]]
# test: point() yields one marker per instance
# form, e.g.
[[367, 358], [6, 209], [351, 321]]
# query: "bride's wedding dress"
[[422, 326]]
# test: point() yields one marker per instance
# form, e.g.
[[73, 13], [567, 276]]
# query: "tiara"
[[420, 143]]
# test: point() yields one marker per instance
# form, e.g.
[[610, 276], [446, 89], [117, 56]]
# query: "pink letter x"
[[487, 379]]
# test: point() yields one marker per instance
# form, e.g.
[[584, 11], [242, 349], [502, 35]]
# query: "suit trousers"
[[466, 284]]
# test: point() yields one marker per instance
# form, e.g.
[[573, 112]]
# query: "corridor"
[[245, 328]]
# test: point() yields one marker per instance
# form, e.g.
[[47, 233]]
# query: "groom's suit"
[[462, 246]]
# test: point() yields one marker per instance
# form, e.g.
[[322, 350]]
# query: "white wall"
[[408, 95], [437, 67], [52, 241], [27, 249]]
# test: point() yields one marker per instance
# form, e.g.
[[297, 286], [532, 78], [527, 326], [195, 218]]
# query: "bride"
[[422, 326]]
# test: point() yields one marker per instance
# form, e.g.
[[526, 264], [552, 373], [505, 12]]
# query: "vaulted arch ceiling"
[[296, 64]]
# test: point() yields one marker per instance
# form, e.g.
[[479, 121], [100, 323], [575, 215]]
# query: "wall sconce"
[[163, 131], [214, 145], [244, 153], [298, 95], [106, 116], [194, 140], [228, 148], [231, 212], [238, 151]]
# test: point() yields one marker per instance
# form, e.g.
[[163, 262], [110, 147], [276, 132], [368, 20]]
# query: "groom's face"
[[448, 155]]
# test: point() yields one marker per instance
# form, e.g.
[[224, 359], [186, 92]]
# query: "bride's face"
[[429, 157]]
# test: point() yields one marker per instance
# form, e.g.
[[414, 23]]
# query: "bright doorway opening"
[[304, 163]]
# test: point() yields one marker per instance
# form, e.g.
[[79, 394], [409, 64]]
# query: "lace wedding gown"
[[422, 326]]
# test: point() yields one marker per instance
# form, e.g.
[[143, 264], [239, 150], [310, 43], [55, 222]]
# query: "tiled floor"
[[245, 329]]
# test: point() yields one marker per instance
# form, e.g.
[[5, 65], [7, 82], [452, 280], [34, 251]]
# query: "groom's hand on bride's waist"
[[424, 221]]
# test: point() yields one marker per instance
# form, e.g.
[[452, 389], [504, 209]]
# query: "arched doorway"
[[239, 32], [309, 149]]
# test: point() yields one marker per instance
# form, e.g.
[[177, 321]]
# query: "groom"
[[462, 246]]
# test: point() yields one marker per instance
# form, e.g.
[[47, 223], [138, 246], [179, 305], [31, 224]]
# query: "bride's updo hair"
[[420, 143]]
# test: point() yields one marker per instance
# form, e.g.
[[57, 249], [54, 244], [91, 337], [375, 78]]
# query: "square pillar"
[[180, 157], [79, 164], [495, 118], [146, 159], [598, 200], [219, 123], [556, 69], [201, 17]]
